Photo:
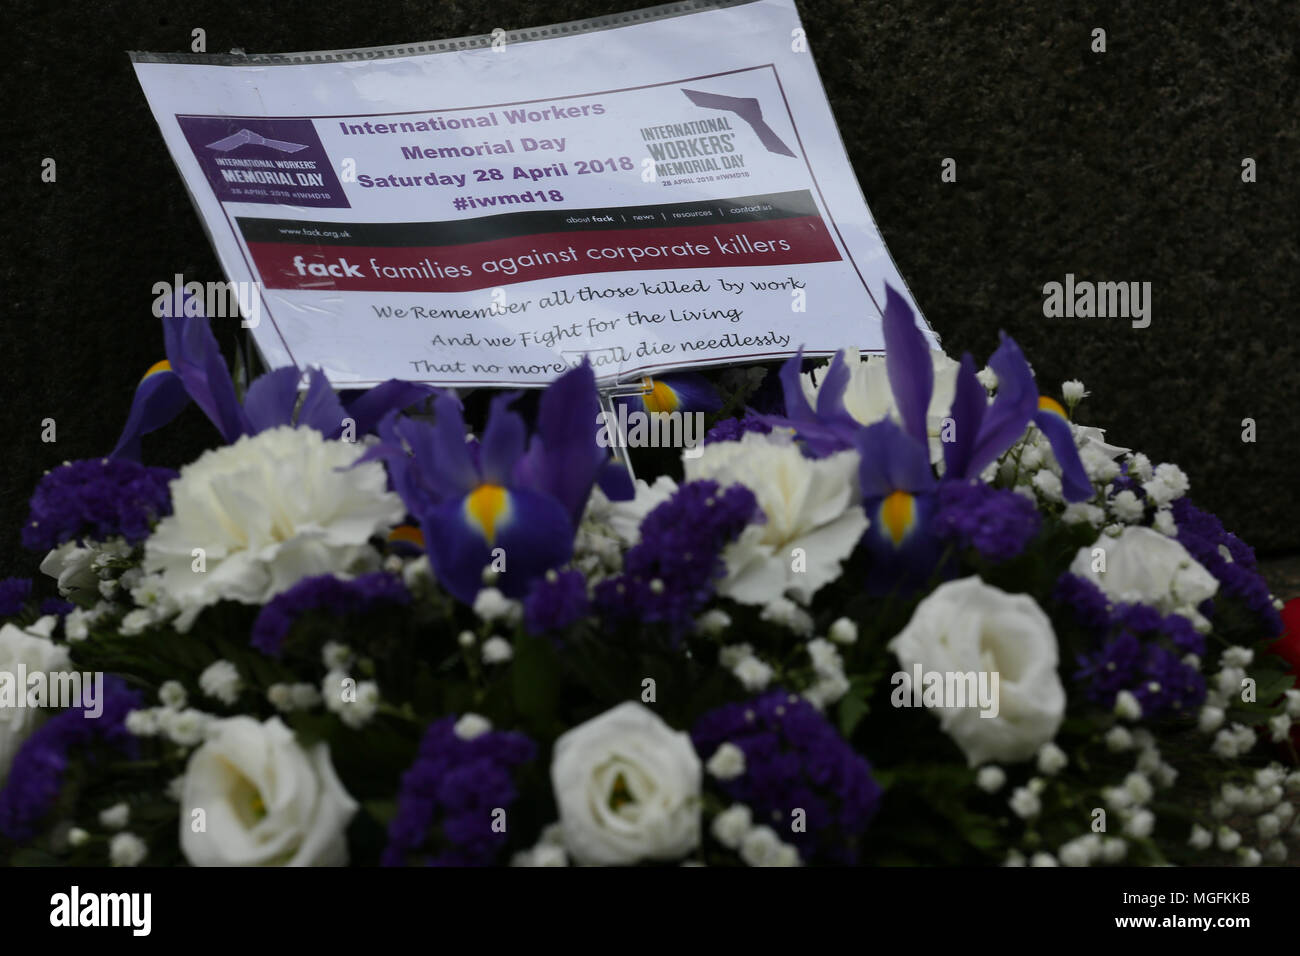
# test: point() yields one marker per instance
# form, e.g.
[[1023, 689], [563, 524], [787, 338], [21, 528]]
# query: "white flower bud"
[[497, 650], [491, 605], [727, 762], [220, 681], [1118, 739], [280, 696], [1201, 838], [127, 849], [1140, 825], [990, 778], [115, 817], [470, 726], [1139, 788], [1025, 803], [753, 674], [1210, 719], [731, 825], [172, 694], [1228, 839], [1127, 706], [843, 631], [1051, 759], [713, 622]]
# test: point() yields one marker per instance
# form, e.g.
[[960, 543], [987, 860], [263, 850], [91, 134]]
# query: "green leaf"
[[852, 709], [536, 678], [381, 810]]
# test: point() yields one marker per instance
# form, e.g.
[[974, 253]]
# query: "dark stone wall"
[[1122, 166]]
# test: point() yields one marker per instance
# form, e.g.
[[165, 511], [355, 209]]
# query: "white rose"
[[628, 788], [966, 626], [265, 800], [268, 511], [1142, 565], [813, 520], [19, 649]]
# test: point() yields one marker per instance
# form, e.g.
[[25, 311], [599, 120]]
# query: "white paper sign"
[[656, 190]]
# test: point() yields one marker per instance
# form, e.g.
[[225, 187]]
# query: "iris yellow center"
[[897, 512], [1049, 404], [485, 506], [407, 534], [658, 397], [163, 366]]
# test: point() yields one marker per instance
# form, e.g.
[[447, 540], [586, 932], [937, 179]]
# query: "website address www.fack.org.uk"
[[1202, 923]]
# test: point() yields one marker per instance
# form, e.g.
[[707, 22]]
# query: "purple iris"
[[828, 427], [513, 507], [981, 431], [196, 371], [899, 495]]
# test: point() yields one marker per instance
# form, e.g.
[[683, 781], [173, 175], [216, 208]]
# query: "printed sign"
[[653, 191]]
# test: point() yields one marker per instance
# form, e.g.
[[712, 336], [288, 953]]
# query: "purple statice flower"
[[447, 797], [323, 593], [670, 574], [732, 429], [998, 524], [795, 759], [37, 775], [1142, 651], [1085, 601], [14, 595], [97, 498], [1178, 630], [1154, 674], [1202, 534], [555, 601], [57, 606]]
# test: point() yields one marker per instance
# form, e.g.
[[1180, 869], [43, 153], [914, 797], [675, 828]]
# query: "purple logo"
[[280, 162], [748, 109], [236, 140]]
